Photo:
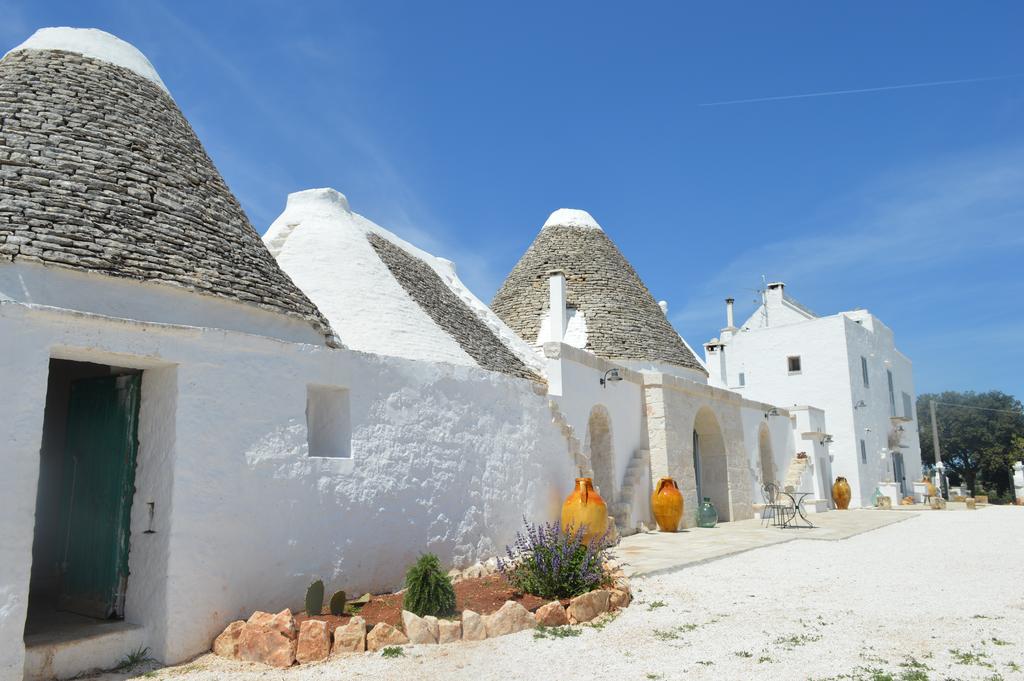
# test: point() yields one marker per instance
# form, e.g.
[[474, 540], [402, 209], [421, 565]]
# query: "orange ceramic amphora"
[[667, 504], [841, 493], [585, 508]]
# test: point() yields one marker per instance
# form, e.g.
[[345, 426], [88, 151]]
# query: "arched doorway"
[[710, 464], [599, 446], [764, 447]]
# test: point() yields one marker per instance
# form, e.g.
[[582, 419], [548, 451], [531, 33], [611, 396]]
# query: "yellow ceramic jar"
[[585, 508], [841, 493], [667, 505]]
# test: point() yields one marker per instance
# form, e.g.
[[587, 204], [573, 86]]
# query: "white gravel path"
[[914, 591]]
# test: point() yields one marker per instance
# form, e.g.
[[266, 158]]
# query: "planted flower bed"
[[547, 577]]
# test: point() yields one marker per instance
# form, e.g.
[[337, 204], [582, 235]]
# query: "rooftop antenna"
[[764, 299]]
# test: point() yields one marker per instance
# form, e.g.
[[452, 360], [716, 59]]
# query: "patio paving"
[[653, 553]]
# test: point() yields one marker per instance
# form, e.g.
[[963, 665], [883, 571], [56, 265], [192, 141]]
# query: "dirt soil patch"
[[483, 595]]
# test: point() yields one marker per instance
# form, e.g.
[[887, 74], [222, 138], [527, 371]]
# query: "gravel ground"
[[940, 596]]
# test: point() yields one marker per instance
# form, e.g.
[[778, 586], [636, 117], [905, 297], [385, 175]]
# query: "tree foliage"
[[980, 435]]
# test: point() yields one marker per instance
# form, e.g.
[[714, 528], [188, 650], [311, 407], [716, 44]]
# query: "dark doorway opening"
[[84, 495]]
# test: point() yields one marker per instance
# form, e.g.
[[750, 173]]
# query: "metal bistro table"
[[798, 505]]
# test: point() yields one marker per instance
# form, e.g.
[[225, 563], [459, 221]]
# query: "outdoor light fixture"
[[610, 376], [827, 440], [860, 403], [771, 412]]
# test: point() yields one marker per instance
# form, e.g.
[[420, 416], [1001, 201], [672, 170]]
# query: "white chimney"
[[775, 292], [730, 329], [663, 304], [556, 305]]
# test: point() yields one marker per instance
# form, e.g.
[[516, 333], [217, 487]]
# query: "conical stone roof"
[[386, 296], [622, 319], [100, 171]]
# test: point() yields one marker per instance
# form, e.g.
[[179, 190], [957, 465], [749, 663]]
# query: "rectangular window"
[[892, 394], [743, 379], [328, 422], [863, 452], [908, 408], [794, 364], [864, 371]]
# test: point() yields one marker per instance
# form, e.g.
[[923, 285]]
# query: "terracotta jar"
[[585, 508], [667, 504], [932, 492], [841, 493]]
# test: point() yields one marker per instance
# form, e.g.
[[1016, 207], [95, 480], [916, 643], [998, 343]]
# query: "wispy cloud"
[[398, 204], [897, 227], [858, 91]]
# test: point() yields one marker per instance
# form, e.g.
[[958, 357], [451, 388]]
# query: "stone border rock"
[[275, 640]]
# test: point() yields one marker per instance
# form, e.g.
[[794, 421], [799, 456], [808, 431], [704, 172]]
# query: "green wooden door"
[[97, 490]]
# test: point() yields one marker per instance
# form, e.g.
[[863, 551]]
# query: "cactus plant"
[[315, 598], [338, 603]]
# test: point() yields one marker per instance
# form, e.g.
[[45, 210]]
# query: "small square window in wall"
[[793, 362], [328, 422]]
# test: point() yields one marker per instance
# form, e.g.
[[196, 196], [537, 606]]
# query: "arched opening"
[[764, 447], [602, 458], [711, 467]]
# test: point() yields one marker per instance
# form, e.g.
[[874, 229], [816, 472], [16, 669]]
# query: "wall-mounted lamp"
[[610, 376], [827, 440], [771, 412], [860, 404]]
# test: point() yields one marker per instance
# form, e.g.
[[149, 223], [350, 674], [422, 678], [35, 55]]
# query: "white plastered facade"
[[243, 518], [654, 412], [830, 377]]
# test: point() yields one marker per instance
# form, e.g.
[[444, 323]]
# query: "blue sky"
[[462, 125]]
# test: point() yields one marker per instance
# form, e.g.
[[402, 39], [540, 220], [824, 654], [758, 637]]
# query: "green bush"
[[428, 591]]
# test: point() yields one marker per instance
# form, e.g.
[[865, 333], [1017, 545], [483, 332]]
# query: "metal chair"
[[774, 506]]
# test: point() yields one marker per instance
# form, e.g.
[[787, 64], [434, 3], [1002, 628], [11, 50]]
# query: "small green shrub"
[[392, 651], [133, 659], [428, 591], [543, 632]]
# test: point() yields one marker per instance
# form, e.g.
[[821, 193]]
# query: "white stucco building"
[[200, 422], [579, 301], [185, 437], [846, 365]]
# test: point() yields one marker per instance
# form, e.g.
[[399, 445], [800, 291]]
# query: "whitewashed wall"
[[780, 435], [574, 383], [672, 406], [445, 459], [830, 349]]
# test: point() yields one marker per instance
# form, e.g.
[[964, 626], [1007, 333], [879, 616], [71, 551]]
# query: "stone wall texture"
[[451, 314], [100, 171], [623, 319]]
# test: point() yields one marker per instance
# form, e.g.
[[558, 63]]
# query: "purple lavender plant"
[[547, 562]]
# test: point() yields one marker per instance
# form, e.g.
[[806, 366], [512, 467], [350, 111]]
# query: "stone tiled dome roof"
[[384, 295], [100, 171], [623, 321]]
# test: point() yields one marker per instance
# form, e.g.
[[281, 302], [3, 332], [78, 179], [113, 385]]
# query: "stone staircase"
[[584, 469], [795, 474], [795, 481], [636, 471], [579, 458]]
